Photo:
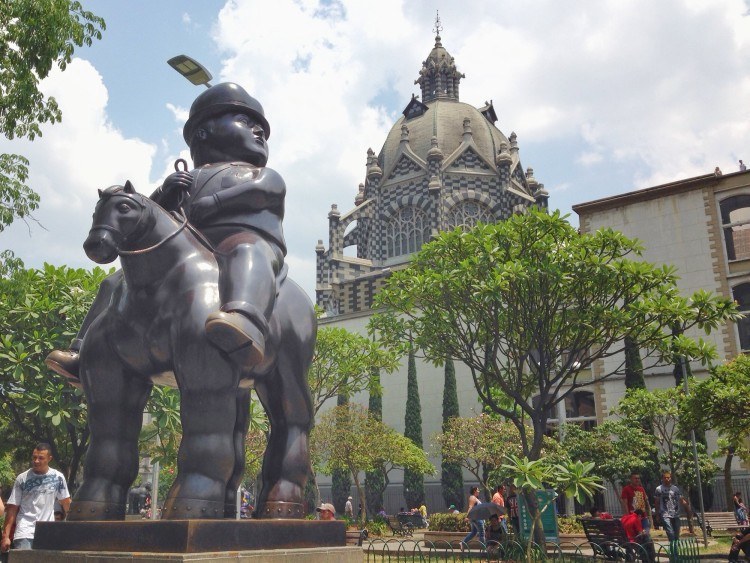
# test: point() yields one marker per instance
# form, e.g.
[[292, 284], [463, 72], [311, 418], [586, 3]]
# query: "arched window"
[[741, 294], [468, 213], [406, 232], [735, 220]]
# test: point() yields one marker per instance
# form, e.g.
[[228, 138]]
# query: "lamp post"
[[191, 69], [683, 362]]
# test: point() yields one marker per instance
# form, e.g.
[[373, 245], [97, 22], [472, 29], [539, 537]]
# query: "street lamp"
[[191, 69]]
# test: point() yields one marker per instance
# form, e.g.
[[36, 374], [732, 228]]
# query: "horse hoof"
[[65, 363], [192, 509], [83, 510], [236, 335], [278, 509]]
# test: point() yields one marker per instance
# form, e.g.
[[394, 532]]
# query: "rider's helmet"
[[221, 98]]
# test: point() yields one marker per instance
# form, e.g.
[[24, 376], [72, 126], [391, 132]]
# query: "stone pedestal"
[[308, 555], [188, 536]]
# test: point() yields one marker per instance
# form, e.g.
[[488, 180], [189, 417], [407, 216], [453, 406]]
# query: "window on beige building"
[[735, 220], [741, 294]]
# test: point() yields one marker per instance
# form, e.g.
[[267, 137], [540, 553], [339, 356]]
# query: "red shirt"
[[635, 496], [632, 524]]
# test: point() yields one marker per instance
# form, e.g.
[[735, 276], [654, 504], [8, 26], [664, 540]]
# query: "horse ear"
[[100, 193], [129, 189]]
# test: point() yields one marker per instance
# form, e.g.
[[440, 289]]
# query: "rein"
[[157, 245]]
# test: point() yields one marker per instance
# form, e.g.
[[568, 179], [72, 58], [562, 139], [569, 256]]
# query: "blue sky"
[[605, 96]]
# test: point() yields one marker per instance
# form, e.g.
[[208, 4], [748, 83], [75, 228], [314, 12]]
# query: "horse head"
[[122, 218]]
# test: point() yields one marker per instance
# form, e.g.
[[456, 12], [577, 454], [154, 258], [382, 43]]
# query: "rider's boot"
[[238, 335], [66, 363]]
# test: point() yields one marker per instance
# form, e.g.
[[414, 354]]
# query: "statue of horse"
[[153, 331]]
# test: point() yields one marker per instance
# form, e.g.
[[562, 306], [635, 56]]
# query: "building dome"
[[445, 120]]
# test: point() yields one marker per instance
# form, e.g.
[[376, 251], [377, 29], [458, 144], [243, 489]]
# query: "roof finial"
[[438, 27]]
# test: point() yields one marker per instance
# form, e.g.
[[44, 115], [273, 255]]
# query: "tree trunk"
[[728, 492], [362, 498], [537, 529]]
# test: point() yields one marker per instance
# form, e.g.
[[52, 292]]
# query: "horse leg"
[[206, 459], [285, 395], [116, 398], [241, 424]]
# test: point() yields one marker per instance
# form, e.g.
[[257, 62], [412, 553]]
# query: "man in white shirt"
[[33, 499]]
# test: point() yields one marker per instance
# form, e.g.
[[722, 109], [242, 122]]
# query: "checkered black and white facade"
[[444, 164]]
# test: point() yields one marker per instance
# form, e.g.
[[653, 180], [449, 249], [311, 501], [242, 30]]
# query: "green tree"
[[616, 448], [665, 410], [451, 475], [633, 365], [413, 480], [40, 310], [37, 36], [341, 482], [529, 303], [574, 479], [375, 479], [720, 402], [344, 363], [484, 441], [347, 437]]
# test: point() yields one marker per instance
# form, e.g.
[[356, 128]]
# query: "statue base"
[[306, 555], [186, 536]]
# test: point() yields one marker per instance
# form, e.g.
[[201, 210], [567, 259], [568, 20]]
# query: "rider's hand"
[[203, 208], [5, 545], [174, 183]]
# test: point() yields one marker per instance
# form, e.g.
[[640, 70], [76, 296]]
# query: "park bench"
[[356, 537], [608, 539], [399, 528], [724, 521]]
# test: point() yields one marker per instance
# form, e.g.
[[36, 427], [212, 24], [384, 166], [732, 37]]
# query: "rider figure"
[[238, 205]]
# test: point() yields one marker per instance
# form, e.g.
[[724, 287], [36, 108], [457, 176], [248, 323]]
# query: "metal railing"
[[380, 550]]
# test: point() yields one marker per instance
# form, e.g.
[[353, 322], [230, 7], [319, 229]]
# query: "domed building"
[[443, 164]]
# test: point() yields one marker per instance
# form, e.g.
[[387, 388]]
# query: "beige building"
[[701, 226]]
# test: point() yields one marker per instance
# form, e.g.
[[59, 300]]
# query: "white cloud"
[[69, 163], [605, 95]]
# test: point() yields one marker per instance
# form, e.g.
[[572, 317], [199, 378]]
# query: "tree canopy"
[[347, 437], [529, 304], [40, 310], [35, 37], [616, 448], [346, 363], [665, 410], [483, 441]]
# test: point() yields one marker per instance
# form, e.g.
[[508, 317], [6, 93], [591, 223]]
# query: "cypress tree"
[[413, 481], [375, 480], [341, 480], [451, 477], [633, 366]]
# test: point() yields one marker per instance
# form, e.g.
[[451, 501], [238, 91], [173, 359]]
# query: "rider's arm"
[[265, 191]]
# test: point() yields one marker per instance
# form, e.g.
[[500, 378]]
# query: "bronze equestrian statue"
[[203, 302]]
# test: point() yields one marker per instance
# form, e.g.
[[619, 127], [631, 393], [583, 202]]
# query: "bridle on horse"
[[124, 238]]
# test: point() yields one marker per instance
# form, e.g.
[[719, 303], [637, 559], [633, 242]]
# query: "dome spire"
[[439, 76], [438, 28]]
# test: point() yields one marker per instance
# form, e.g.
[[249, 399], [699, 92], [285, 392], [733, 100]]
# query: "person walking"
[[33, 499], [634, 496], [668, 500], [349, 509], [477, 526], [499, 500]]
